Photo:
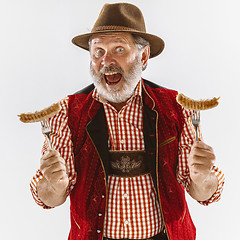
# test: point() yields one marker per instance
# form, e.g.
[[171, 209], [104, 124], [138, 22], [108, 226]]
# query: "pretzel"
[[189, 103], [40, 115]]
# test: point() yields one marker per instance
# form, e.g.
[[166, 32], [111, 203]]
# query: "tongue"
[[113, 78]]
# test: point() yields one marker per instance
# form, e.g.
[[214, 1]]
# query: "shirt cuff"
[[33, 187]]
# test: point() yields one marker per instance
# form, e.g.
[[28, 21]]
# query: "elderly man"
[[123, 148]]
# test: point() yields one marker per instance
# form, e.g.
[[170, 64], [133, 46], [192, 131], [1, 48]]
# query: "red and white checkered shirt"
[[132, 209]]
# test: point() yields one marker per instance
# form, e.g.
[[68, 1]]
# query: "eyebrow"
[[117, 40]]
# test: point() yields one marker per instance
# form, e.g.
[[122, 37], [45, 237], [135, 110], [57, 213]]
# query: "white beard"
[[129, 81]]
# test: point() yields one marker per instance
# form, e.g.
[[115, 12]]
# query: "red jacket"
[[162, 126]]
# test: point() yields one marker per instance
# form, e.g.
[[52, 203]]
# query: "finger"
[[200, 169], [52, 174], [50, 160], [202, 145], [51, 168], [56, 176], [50, 153], [201, 158], [201, 161], [200, 152]]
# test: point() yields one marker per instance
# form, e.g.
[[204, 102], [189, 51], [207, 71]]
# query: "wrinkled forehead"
[[118, 37]]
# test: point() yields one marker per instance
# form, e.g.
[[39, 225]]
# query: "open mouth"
[[112, 78]]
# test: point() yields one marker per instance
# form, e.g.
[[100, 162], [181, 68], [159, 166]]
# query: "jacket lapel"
[[98, 132]]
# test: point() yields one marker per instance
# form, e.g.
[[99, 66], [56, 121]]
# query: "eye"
[[120, 49], [98, 52]]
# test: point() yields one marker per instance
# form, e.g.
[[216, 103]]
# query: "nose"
[[108, 59]]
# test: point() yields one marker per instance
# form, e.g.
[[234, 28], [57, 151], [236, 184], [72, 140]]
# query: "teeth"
[[110, 73]]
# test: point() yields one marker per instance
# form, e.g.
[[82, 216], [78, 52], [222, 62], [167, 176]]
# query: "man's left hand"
[[203, 183], [200, 162]]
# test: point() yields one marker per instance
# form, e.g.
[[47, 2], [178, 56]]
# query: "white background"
[[39, 65]]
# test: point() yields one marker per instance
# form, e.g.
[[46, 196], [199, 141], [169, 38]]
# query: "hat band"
[[113, 28]]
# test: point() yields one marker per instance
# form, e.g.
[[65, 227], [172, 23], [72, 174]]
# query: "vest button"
[[99, 214], [103, 196], [98, 231]]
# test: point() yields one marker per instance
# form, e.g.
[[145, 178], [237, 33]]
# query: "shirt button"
[[98, 231], [125, 195], [122, 141]]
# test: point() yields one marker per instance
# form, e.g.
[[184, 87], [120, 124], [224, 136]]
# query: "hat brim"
[[156, 43]]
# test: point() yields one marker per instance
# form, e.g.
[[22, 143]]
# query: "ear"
[[145, 56]]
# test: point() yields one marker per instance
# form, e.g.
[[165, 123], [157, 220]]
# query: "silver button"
[[98, 231], [125, 195], [126, 222], [99, 214], [103, 196]]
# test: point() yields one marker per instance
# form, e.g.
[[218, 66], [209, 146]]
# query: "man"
[[124, 149]]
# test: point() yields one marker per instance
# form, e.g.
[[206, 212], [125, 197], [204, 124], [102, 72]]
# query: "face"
[[116, 65]]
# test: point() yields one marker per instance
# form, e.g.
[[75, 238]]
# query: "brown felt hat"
[[121, 17]]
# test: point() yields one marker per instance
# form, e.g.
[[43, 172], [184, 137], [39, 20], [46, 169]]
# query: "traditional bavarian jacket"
[[162, 126]]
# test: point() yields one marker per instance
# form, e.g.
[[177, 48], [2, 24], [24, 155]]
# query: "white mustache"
[[105, 69]]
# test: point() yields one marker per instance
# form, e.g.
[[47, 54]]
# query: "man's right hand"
[[52, 188]]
